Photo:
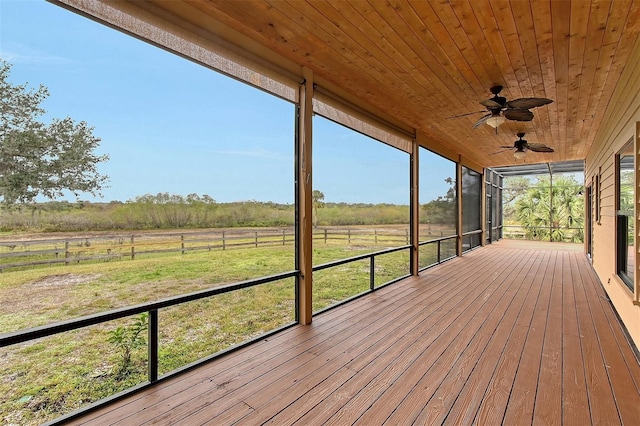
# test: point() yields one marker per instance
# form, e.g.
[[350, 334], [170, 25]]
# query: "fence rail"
[[37, 252]]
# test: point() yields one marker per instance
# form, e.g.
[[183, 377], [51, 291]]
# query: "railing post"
[[152, 329], [439, 241], [372, 273]]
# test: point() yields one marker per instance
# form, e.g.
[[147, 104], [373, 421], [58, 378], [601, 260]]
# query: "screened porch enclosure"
[[452, 324]]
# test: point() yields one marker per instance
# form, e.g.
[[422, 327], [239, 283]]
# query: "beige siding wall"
[[620, 126]]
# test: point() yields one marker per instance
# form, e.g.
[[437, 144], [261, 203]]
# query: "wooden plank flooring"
[[513, 334]]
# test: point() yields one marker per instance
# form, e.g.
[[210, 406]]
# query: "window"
[[625, 219], [597, 196]]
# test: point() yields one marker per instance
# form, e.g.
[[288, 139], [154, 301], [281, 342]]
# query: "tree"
[[317, 198], [557, 215], [38, 158], [442, 210]]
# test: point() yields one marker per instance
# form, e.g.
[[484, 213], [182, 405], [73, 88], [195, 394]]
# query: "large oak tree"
[[38, 159]]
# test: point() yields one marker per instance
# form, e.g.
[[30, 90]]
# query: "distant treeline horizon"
[[167, 211]]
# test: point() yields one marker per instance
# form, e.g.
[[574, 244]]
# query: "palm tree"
[[556, 214], [317, 197]]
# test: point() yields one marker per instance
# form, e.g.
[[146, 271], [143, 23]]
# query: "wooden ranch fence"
[[27, 253]]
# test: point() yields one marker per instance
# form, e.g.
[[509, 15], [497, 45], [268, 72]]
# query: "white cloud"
[[16, 53]]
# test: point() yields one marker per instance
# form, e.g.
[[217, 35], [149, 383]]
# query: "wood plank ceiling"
[[423, 62]]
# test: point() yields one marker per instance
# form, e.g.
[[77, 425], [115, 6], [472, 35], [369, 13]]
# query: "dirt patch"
[[43, 297], [61, 280]]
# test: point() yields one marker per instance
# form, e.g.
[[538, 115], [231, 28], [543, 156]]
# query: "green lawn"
[[52, 376]]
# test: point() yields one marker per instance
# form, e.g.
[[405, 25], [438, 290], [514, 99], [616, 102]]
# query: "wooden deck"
[[510, 334]]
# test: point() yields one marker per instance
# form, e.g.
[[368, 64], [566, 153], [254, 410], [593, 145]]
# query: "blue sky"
[[170, 125]]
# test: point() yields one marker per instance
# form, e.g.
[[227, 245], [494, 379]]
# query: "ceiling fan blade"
[[507, 146], [518, 114], [481, 121], [490, 103], [464, 115], [498, 152], [527, 103], [538, 147]]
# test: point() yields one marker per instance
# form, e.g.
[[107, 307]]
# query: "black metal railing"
[[439, 258], [152, 308], [372, 272], [468, 242], [520, 232]]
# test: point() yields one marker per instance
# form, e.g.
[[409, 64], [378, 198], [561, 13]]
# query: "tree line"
[[171, 211]]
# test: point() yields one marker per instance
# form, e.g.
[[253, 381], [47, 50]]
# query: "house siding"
[[621, 124]]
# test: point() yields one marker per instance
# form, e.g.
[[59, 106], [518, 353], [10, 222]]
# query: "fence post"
[[375, 235], [348, 236], [224, 242], [182, 243], [283, 237], [406, 235], [66, 252], [325, 235], [133, 249], [256, 239]]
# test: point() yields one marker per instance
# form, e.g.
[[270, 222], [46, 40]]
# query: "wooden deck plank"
[[506, 334], [382, 395], [622, 384], [338, 342], [494, 339], [601, 402], [574, 387], [494, 403], [548, 403], [395, 349], [522, 399]]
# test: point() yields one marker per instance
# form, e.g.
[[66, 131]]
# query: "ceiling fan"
[[501, 110], [521, 145]]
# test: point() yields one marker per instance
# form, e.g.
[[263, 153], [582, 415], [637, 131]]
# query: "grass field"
[[46, 378]]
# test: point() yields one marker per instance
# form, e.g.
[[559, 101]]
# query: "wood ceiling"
[[422, 62]]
